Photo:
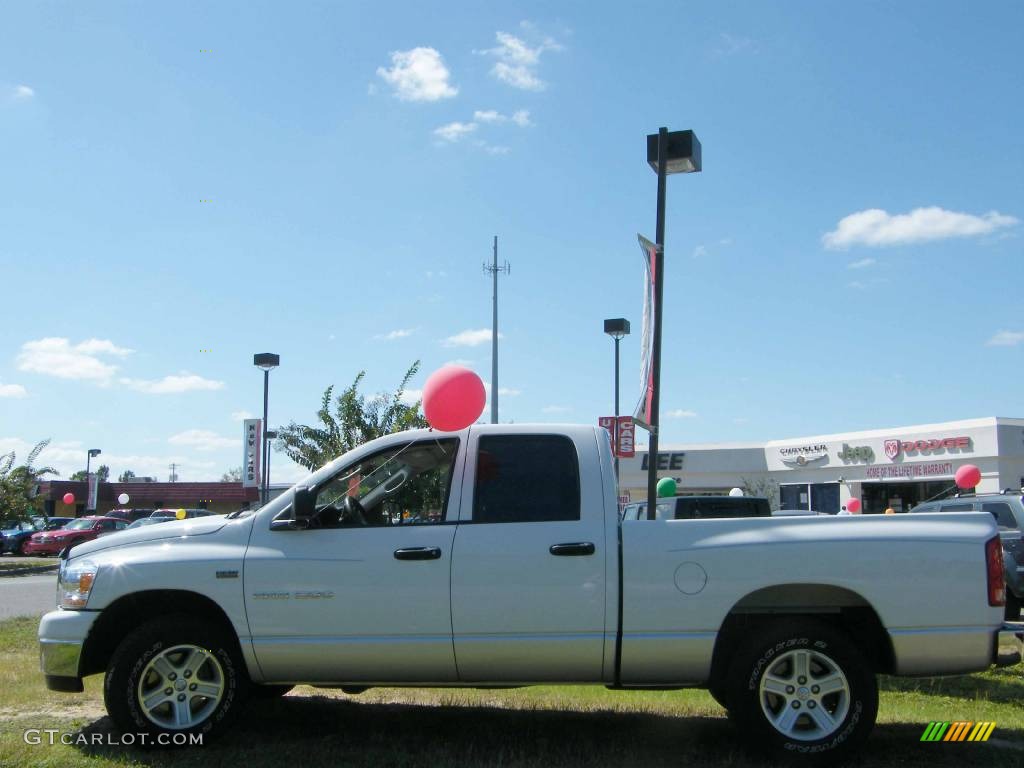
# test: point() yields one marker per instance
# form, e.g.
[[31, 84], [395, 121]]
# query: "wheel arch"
[[127, 613], [843, 608]]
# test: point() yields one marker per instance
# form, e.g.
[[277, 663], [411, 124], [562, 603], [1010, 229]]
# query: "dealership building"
[[896, 467]]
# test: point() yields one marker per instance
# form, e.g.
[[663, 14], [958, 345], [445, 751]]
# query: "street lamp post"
[[267, 361], [676, 152], [616, 328]]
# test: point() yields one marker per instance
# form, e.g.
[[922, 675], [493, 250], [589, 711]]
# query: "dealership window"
[[821, 497]]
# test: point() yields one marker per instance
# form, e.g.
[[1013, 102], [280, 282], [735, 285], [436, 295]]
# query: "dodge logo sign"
[[892, 448]]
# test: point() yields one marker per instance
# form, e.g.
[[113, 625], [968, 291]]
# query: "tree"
[[102, 472], [233, 475], [355, 420], [18, 484], [125, 476], [766, 487]]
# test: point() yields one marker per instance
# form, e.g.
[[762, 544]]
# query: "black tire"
[[719, 694], [21, 548], [266, 692], [824, 724], [178, 639]]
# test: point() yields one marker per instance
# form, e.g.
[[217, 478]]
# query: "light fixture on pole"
[[93, 453], [675, 152], [267, 361], [616, 328]]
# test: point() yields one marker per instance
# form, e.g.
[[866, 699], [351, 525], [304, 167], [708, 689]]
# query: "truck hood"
[[178, 529]]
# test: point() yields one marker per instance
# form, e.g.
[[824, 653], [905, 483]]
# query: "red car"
[[75, 532]]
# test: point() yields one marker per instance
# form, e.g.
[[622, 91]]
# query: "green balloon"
[[666, 487]]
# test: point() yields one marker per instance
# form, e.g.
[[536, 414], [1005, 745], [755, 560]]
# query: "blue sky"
[[323, 181]]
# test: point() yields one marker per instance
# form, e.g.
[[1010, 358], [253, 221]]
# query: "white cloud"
[[517, 60], [470, 338], [411, 396], [680, 413], [556, 409], [521, 118], [418, 75], [185, 382], [489, 116], [54, 356], [453, 132], [1006, 339], [204, 440], [730, 45], [493, 149], [241, 415], [460, 361], [23, 93], [400, 333], [875, 227], [12, 390], [861, 263], [700, 252], [509, 391]]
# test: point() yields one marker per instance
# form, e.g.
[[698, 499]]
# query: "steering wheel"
[[352, 512]]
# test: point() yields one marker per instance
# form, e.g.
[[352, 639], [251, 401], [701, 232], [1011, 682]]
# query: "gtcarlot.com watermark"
[[51, 736]]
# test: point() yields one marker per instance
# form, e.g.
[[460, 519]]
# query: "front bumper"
[[62, 636]]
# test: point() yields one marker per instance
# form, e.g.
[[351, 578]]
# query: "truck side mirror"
[[303, 503]]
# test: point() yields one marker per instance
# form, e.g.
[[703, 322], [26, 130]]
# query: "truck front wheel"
[[174, 675], [802, 688]]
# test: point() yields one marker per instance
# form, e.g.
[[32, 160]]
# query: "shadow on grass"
[[312, 731]]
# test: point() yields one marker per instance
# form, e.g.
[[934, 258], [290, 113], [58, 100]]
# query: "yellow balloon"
[[180, 514]]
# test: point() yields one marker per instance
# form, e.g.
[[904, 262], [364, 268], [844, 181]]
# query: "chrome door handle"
[[418, 553], [573, 549]]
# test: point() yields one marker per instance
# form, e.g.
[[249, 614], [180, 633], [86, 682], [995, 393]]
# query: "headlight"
[[74, 583]]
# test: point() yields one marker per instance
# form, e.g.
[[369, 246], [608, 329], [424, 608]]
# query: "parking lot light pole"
[[676, 152], [267, 361], [616, 328]]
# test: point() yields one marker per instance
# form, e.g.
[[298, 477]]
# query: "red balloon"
[[69, 498], [968, 476], [453, 398], [853, 505]]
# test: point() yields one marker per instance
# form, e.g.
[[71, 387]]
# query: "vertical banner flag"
[[621, 434], [251, 453], [94, 487], [625, 438], [643, 407]]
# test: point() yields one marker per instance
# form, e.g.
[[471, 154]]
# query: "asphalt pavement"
[[27, 595]]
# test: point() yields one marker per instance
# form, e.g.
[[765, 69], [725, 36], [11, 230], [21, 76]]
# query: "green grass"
[[548, 726]]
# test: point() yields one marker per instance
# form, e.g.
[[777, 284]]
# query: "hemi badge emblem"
[[227, 574]]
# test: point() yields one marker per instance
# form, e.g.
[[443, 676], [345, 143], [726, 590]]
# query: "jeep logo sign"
[[859, 453]]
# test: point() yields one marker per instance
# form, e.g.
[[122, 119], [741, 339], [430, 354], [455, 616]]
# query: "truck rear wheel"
[[174, 676], [802, 688]]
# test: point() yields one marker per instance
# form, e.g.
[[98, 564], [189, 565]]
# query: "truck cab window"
[[526, 479], [407, 485]]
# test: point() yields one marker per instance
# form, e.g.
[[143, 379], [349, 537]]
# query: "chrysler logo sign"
[[802, 455]]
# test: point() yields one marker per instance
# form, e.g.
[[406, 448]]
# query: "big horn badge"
[[892, 448]]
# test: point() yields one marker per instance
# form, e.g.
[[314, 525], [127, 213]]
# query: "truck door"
[[528, 563], [363, 595]]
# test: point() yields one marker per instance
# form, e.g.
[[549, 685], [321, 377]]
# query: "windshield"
[[79, 525]]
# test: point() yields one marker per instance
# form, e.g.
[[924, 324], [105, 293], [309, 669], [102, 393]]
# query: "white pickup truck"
[[495, 556]]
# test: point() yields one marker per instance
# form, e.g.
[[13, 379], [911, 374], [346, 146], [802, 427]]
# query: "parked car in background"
[[189, 513], [129, 515], [701, 507], [51, 523], [144, 521], [74, 533], [1008, 510], [796, 513], [13, 536]]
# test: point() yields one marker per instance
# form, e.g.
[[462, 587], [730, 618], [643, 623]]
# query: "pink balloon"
[[968, 476], [853, 505], [453, 398], [69, 498]]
